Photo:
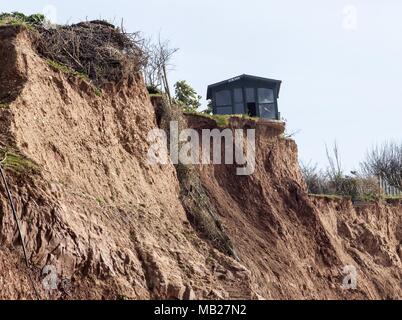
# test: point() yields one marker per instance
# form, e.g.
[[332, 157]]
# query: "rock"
[[189, 294], [175, 291], [217, 294]]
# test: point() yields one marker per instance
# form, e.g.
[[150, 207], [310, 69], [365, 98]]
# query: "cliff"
[[115, 226]]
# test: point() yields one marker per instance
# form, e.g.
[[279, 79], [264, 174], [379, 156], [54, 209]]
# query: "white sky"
[[342, 76]]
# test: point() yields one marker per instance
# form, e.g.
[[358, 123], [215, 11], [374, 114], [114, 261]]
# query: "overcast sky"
[[340, 61]]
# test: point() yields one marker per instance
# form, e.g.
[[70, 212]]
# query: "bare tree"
[[340, 183], [334, 170], [159, 61], [151, 74], [385, 161], [358, 185], [316, 180]]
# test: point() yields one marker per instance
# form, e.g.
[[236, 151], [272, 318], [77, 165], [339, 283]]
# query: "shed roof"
[[241, 77]]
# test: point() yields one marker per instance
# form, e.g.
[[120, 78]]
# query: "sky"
[[340, 61]]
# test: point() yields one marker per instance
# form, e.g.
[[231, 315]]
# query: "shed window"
[[239, 108], [224, 110], [250, 95], [265, 95], [223, 98], [267, 110], [238, 95], [238, 101]]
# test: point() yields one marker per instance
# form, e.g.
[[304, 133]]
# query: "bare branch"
[[385, 161]]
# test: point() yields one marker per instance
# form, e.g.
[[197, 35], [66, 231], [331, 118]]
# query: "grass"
[[64, 69], [58, 66], [222, 120], [367, 198], [391, 198], [97, 91], [20, 19], [70, 72], [329, 196], [17, 163], [99, 200], [10, 21], [159, 95], [200, 211]]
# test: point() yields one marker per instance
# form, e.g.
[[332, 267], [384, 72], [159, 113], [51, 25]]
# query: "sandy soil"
[[114, 227]]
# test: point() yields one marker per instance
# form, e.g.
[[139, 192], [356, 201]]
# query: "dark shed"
[[245, 94]]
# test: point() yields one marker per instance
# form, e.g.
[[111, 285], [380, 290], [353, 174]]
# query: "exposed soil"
[[115, 226]]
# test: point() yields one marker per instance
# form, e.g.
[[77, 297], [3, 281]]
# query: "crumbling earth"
[[114, 226]]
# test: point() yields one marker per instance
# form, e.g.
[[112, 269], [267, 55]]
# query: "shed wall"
[[232, 98]]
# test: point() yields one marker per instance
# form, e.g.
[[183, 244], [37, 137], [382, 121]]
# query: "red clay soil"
[[296, 246], [114, 227]]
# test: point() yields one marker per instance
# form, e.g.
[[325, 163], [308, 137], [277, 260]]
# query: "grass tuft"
[[99, 200], [391, 198], [222, 120], [97, 91], [17, 163], [328, 196], [4, 106], [66, 70], [70, 72], [158, 95]]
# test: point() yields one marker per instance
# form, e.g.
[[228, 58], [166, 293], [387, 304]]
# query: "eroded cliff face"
[[115, 226], [96, 210], [295, 245]]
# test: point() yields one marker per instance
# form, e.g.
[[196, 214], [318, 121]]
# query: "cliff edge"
[[114, 226]]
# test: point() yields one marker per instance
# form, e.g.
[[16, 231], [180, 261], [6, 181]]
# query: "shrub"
[[153, 90], [200, 210], [97, 49], [17, 18], [315, 179], [186, 96], [333, 180], [385, 161]]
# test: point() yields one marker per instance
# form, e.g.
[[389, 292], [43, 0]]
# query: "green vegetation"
[[59, 67], [209, 108], [97, 50], [4, 106], [20, 19], [99, 200], [66, 70], [385, 161], [369, 197], [156, 95], [17, 163], [154, 90], [200, 210], [362, 186], [186, 96], [97, 91], [222, 120], [70, 72], [393, 198], [329, 196]]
